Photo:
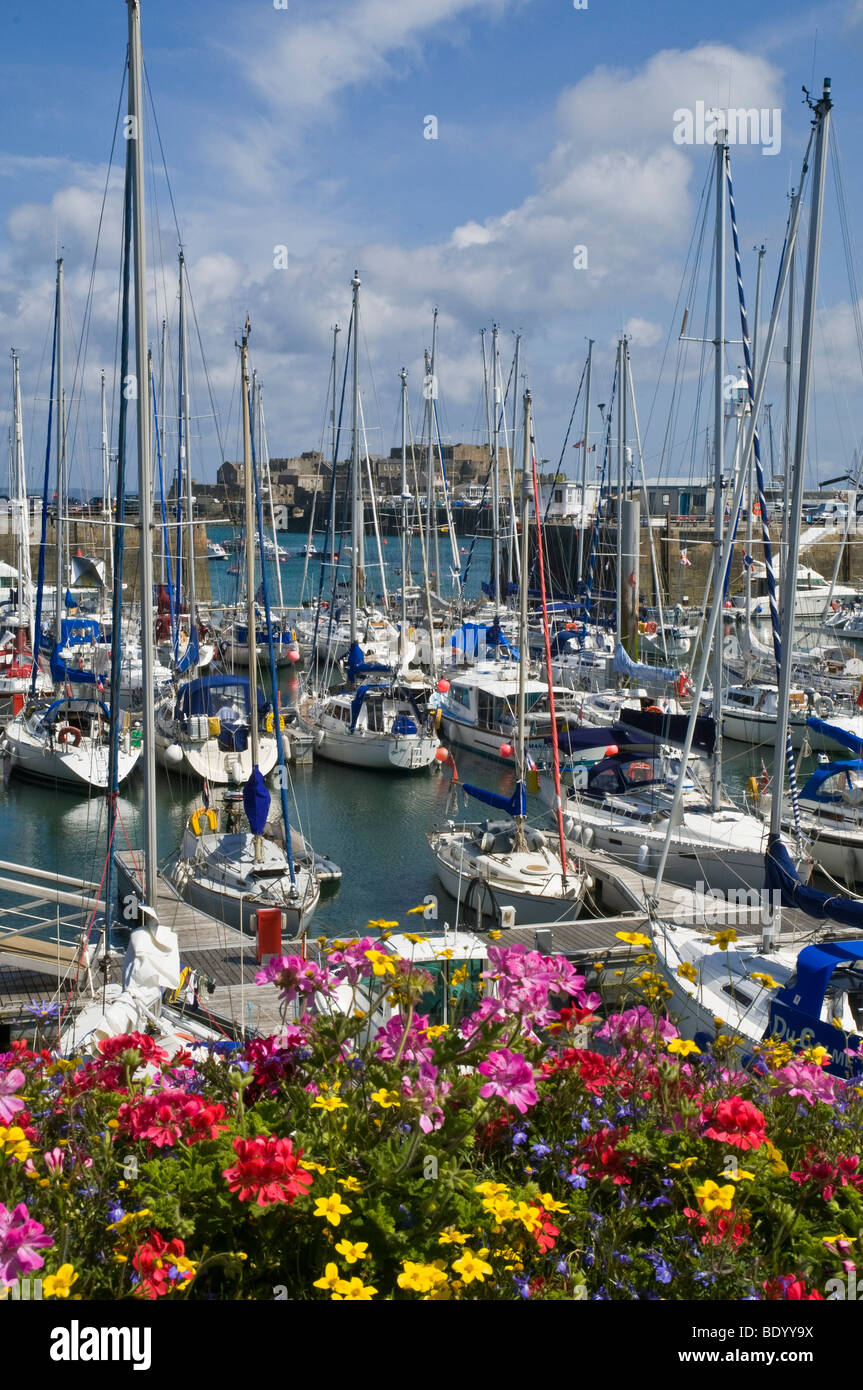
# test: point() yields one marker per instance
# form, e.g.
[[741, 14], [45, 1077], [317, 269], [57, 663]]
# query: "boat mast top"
[[718, 459], [355, 458]]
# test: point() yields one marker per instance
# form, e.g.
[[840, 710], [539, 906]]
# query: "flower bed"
[[497, 1157]]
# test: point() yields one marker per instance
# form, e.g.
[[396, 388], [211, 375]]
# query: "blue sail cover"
[[839, 735], [256, 800], [796, 1008], [191, 654], [624, 665], [781, 875], [358, 666], [515, 805]]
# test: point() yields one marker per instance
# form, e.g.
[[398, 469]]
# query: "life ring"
[[438, 718], [68, 734], [210, 816], [683, 685], [650, 627], [654, 709], [823, 706], [753, 791], [324, 606]]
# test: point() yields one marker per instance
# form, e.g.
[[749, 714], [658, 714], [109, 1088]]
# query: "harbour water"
[[373, 825]]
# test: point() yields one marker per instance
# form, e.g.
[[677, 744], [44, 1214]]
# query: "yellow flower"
[[414, 938], [723, 938], [530, 1217], [386, 1099], [328, 1103], [683, 1048], [58, 1285], [501, 1207], [764, 979], [819, 1055], [331, 1209], [420, 1278], [350, 1184], [451, 1237], [684, 1163], [686, 970], [312, 1167], [353, 1291], [16, 1143], [446, 954], [420, 907], [459, 976], [712, 1197], [331, 1278], [633, 938], [129, 1218], [435, 1030], [551, 1203], [490, 1189], [351, 1251], [830, 1240], [742, 1175], [469, 1267], [382, 964], [381, 925], [494, 936]]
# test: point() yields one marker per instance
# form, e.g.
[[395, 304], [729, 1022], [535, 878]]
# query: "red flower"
[[170, 1116], [267, 1169], [547, 1235], [842, 1173], [109, 1048], [602, 1159], [736, 1122], [154, 1261], [720, 1226], [791, 1287]]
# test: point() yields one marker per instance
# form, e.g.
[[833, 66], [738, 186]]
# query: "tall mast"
[[25, 604], [750, 463], [620, 487], [250, 571], [335, 435], [403, 631], [584, 461], [807, 333], [513, 561], [522, 620], [789, 401], [145, 528], [163, 364], [106, 486], [495, 474], [355, 458], [718, 460], [186, 450], [431, 504], [61, 461]]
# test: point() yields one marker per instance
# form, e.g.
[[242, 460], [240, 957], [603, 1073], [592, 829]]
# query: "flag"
[[764, 781], [748, 562], [206, 796], [100, 685], [684, 558], [632, 581], [580, 445]]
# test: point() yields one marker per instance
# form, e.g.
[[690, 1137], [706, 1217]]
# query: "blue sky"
[[304, 127]]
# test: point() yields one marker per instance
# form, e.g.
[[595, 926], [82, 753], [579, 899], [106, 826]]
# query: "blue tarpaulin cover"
[[256, 800]]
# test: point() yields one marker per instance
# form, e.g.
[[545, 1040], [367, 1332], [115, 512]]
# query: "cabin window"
[[605, 781], [461, 695], [375, 716], [737, 995], [446, 1001]]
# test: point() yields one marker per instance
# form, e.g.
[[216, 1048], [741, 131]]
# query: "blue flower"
[[540, 1150], [42, 1010], [522, 1285], [519, 1137], [576, 1180]]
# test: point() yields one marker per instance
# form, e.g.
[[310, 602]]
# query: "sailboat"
[[767, 986], [507, 864], [376, 724], [151, 966], [62, 741], [227, 871]]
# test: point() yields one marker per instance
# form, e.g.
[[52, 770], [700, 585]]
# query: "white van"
[[828, 513]]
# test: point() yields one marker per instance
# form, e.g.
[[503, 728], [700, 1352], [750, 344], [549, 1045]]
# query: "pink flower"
[[296, 976], [20, 1239], [416, 1048], [429, 1092], [352, 960], [637, 1025], [10, 1104], [511, 1078], [808, 1081], [54, 1160]]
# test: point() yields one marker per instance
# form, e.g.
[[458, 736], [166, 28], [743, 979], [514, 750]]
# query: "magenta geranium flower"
[[10, 1104], [20, 1240], [511, 1078]]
